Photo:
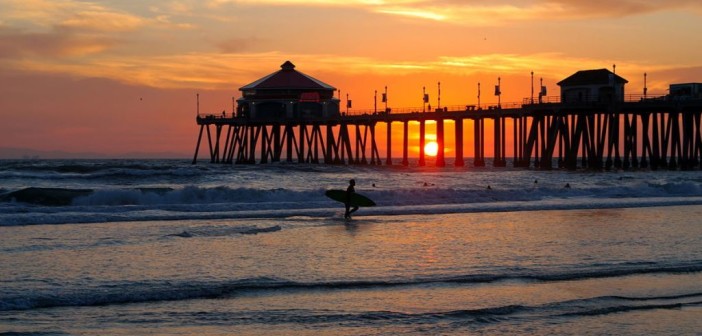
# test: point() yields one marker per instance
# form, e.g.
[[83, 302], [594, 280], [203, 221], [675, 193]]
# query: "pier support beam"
[[499, 143], [388, 160], [422, 142], [405, 143], [197, 147], [478, 133], [440, 160], [459, 143]]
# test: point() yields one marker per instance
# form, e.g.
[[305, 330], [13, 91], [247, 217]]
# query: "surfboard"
[[356, 199]]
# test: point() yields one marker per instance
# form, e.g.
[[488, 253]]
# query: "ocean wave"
[[434, 320], [100, 170], [152, 196], [311, 206], [226, 231], [194, 194], [154, 291], [45, 196], [604, 305], [588, 307], [87, 166], [53, 244]]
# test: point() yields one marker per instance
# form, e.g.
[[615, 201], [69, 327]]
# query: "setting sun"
[[431, 148]]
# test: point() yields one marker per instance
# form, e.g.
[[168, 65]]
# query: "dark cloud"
[[56, 43], [237, 45], [609, 8], [568, 9]]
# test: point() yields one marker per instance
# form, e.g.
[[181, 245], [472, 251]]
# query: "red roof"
[[288, 78]]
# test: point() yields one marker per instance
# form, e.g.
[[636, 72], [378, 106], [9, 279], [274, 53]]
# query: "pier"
[[605, 130], [651, 133]]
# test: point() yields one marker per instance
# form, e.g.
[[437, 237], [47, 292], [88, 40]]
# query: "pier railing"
[[651, 98]]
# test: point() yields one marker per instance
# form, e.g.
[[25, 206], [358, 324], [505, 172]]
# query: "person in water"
[[349, 192]]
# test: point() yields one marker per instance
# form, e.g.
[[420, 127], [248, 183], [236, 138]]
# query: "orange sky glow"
[[120, 77]]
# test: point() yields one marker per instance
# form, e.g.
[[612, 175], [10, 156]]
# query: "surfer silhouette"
[[350, 191]]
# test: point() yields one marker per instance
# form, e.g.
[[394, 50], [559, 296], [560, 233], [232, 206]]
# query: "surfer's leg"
[[353, 210], [347, 214]]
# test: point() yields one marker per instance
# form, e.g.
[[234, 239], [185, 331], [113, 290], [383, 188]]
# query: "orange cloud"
[[102, 20], [88, 32], [222, 71], [70, 14]]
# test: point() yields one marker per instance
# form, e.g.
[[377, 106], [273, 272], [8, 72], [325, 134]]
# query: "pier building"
[[287, 94], [686, 91], [599, 85]]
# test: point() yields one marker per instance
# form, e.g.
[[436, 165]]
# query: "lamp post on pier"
[[375, 102], [498, 93], [385, 98], [542, 90], [478, 95], [532, 87]]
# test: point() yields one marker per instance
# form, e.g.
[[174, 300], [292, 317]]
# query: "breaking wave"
[[153, 291]]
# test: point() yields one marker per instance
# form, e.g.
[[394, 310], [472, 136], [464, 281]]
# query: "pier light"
[[542, 90], [532, 87], [385, 98], [498, 92], [375, 101], [478, 95]]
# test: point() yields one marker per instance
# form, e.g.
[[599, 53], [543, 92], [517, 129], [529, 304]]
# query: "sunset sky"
[[118, 77]]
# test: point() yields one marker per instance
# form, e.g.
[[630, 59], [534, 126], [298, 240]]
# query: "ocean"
[[164, 247]]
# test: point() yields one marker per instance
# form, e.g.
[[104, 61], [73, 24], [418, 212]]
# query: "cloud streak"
[[102, 20], [478, 13], [17, 43], [225, 71]]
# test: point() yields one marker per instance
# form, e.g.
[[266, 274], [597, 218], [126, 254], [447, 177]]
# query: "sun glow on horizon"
[[431, 148]]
